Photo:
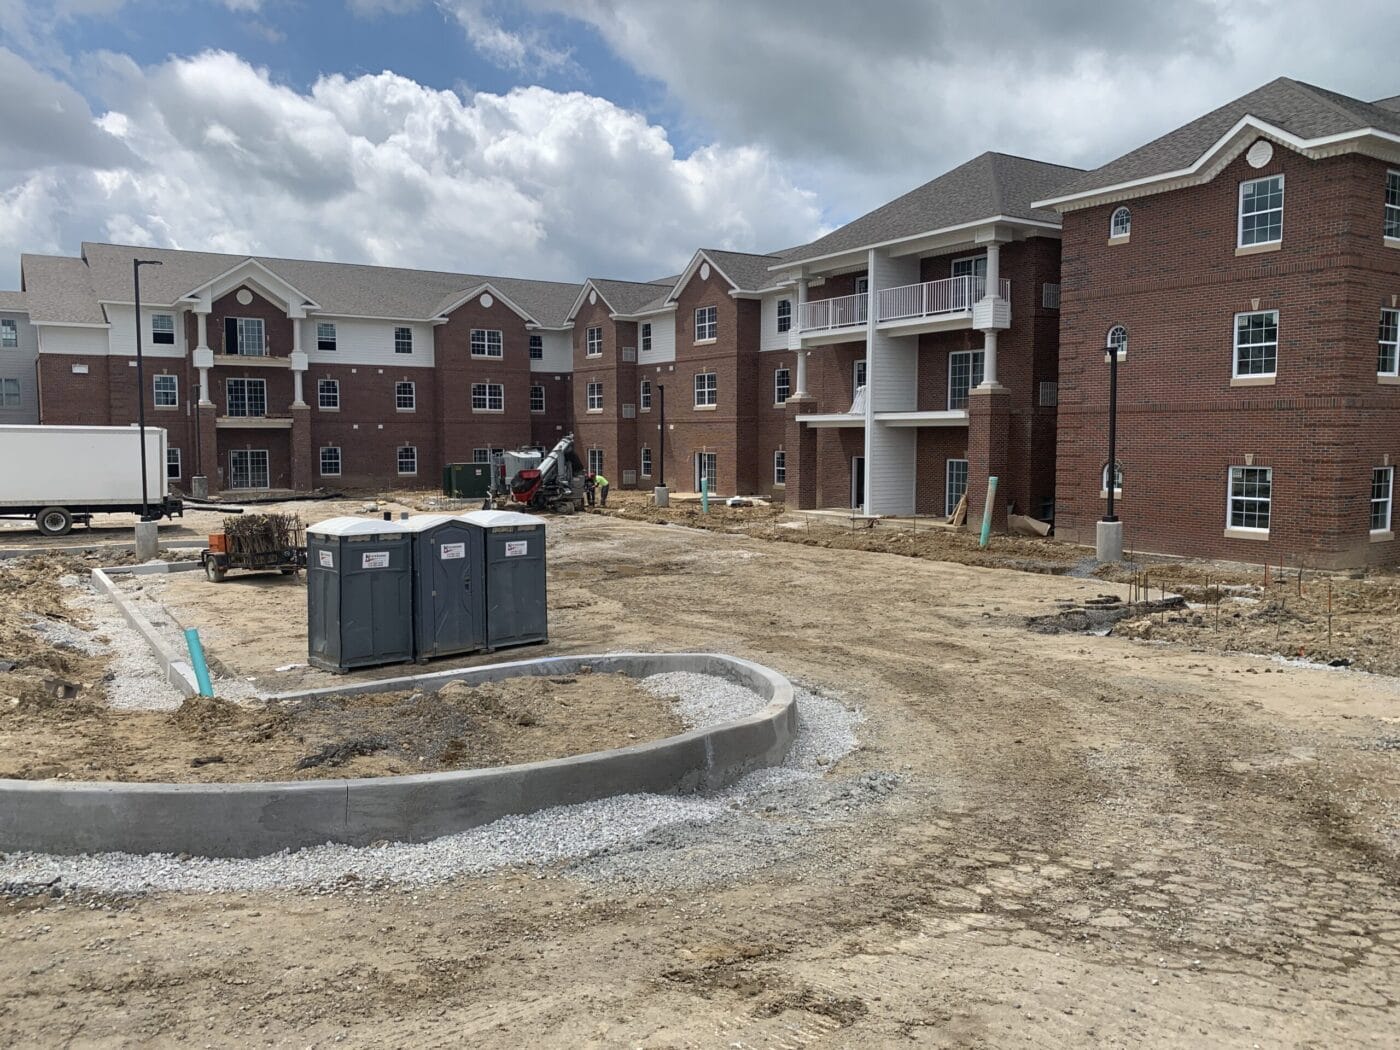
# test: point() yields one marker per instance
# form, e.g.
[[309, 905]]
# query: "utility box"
[[359, 593], [513, 558], [449, 586], [466, 480]]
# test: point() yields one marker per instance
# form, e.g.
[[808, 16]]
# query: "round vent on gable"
[[1260, 153], [244, 297], [704, 271], [592, 298], [486, 299]]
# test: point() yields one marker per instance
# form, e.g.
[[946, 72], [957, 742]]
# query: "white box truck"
[[58, 475]]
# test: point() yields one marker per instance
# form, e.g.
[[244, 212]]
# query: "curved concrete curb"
[[249, 820]]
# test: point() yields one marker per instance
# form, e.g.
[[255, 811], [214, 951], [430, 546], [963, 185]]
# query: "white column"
[[993, 271], [202, 356], [989, 357], [298, 361], [297, 401], [795, 333], [802, 373]]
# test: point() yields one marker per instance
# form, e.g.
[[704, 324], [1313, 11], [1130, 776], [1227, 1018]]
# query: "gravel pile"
[[655, 838], [702, 700], [137, 682]]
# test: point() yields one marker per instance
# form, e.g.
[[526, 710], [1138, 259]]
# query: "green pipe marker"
[[987, 511], [201, 669], [704, 494]]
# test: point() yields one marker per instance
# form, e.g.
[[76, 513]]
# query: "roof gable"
[[452, 302]]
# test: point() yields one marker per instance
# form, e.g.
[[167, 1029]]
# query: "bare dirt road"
[[1091, 842]]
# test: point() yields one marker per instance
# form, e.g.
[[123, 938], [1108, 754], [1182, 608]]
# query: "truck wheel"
[[214, 571], [54, 521], [566, 507]]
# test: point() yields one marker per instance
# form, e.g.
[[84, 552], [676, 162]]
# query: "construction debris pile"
[[249, 534]]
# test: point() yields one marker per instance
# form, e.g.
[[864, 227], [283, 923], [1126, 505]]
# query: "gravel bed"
[[136, 681], [627, 837], [702, 700]]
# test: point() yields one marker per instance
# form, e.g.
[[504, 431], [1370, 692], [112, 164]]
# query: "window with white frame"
[[593, 345], [488, 397], [644, 395], [784, 315], [1251, 491], [250, 338], [163, 329], [330, 461], [706, 389], [707, 470], [481, 455], [858, 378], [954, 484], [408, 460], [862, 285], [1120, 223], [782, 386], [1256, 343], [9, 333], [325, 335], [536, 348], [706, 323], [328, 393], [246, 397], [9, 393], [1382, 479], [1117, 479], [536, 397], [1392, 204], [1117, 341], [1261, 211], [403, 340], [487, 342], [166, 391], [779, 467], [1388, 358], [970, 266], [248, 468], [594, 394], [405, 397], [645, 336], [595, 461], [646, 462], [173, 470], [964, 373]]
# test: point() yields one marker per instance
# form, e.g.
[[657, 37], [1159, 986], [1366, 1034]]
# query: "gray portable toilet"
[[449, 586], [513, 550], [359, 593]]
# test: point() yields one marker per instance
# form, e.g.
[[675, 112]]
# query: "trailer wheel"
[[214, 571], [54, 521]]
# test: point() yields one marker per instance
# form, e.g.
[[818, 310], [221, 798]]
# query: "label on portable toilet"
[[517, 548], [327, 559], [375, 560], [452, 551]]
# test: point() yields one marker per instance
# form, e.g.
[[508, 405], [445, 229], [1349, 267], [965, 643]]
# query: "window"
[[488, 397], [862, 285], [594, 346], [595, 397], [859, 378], [1388, 361], [481, 455], [644, 397], [403, 340], [166, 391], [782, 386], [1392, 204], [163, 328], [970, 266], [1256, 343], [247, 468], [325, 340], [9, 393], [964, 373], [784, 315], [1381, 481], [954, 484], [1049, 393], [1261, 211], [1120, 223], [250, 339], [1250, 493], [646, 462], [405, 397], [172, 464], [706, 323], [408, 460], [1117, 479], [646, 337], [330, 462], [779, 467], [9, 333], [706, 389], [486, 342], [247, 397], [536, 398], [328, 393], [536, 348], [595, 461], [1117, 340]]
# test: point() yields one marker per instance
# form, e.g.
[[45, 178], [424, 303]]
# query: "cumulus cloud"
[[383, 169], [47, 122], [524, 50]]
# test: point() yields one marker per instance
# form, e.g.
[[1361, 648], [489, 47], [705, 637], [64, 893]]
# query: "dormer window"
[[1120, 224]]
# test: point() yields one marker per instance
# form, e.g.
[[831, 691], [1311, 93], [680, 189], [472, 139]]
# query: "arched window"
[[1117, 479], [1117, 338], [1120, 224]]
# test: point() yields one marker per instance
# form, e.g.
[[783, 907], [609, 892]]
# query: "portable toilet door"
[[448, 588], [365, 616], [516, 597]]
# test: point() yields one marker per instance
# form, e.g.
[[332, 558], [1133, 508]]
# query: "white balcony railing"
[[948, 296], [824, 315]]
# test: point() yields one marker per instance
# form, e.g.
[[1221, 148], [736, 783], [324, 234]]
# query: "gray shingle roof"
[[1300, 109], [986, 186], [749, 271], [59, 288], [13, 302], [628, 297], [1388, 103]]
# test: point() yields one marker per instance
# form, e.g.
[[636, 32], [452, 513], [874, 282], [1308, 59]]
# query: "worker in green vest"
[[602, 484]]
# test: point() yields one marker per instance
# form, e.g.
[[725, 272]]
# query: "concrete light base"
[[661, 496], [147, 540], [199, 487], [1108, 545]]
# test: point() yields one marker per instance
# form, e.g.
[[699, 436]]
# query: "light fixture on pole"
[[136, 265], [1108, 537]]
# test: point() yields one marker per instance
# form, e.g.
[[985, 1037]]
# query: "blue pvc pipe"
[[987, 511], [704, 494], [201, 669]]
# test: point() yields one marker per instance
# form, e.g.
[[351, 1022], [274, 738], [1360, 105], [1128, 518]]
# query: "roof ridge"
[[1327, 98]]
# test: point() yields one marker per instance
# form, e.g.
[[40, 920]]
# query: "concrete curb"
[[176, 668], [96, 548], [249, 820]]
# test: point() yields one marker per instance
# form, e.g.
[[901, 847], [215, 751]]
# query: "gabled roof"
[[58, 290], [1302, 111], [13, 302], [743, 271], [456, 299], [992, 186], [622, 297], [1393, 102]]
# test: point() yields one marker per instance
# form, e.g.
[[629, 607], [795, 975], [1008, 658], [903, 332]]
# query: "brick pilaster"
[[303, 476], [800, 441], [988, 442], [208, 460]]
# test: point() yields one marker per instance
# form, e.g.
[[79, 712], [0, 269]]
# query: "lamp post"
[[660, 496], [1108, 546], [136, 265]]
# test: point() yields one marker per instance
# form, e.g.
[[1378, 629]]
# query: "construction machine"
[[554, 483]]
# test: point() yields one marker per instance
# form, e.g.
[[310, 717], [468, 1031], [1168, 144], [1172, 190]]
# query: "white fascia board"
[[583, 294], [487, 286], [865, 249], [302, 299], [689, 272], [181, 305], [329, 315], [533, 327], [70, 324], [669, 308]]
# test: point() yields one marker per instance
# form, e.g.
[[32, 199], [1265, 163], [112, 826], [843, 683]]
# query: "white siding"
[[889, 469], [18, 363], [121, 337], [361, 342], [663, 339], [769, 337], [90, 342], [892, 369], [558, 352]]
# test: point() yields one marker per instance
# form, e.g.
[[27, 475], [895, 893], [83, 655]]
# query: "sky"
[[564, 139]]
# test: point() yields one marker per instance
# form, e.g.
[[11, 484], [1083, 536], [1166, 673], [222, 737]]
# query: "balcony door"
[[857, 482], [245, 336]]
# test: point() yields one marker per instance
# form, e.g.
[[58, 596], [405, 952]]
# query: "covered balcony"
[[835, 320], [930, 306]]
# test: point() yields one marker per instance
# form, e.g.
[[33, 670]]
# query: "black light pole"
[[661, 471], [136, 265], [1112, 429]]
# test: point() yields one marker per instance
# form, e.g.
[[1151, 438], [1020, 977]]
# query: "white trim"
[[302, 304], [1239, 213], [689, 271], [487, 286], [1235, 347], [1038, 224]]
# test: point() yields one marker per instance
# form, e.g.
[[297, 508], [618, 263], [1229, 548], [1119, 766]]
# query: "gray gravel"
[[136, 681], [703, 700], [633, 837]]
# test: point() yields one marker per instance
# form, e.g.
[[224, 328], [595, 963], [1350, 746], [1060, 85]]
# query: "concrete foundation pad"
[[1108, 545], [147, 540]]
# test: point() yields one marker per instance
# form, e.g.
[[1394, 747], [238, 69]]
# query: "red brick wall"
[[460, 428], [369, 430], [547, 427], [607, 430]]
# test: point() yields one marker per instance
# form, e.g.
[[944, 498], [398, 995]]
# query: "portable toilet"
[[449, 586], [513, 561], [359, 593]]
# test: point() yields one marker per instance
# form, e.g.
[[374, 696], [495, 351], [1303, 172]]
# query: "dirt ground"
[[1094, 841], [459, 727]]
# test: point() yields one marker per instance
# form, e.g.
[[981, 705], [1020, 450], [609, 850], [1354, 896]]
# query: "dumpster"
[[449, 587], [513, 553], [359, 593]]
